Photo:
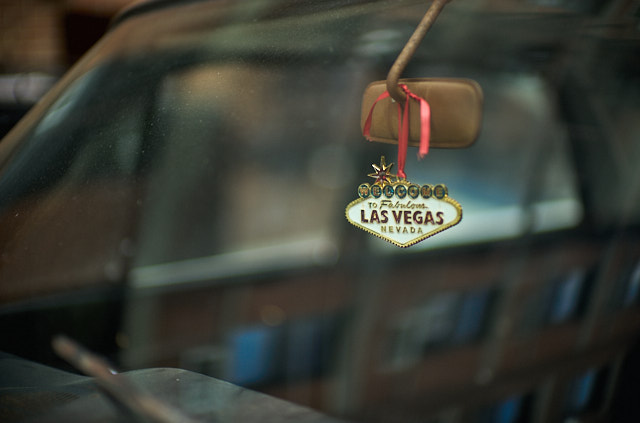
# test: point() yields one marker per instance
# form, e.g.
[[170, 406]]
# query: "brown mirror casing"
[[456, 112]]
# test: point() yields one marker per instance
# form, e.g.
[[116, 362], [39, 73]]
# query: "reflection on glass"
[[586, 391], [444, 320], [514, 409], [566, 297]]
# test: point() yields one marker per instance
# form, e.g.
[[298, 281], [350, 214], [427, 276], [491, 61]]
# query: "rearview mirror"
[[456, 112]]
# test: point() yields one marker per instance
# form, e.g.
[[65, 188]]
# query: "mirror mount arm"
[[410, 48]]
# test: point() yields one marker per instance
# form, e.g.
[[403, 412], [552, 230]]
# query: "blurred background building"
[[39, 41]]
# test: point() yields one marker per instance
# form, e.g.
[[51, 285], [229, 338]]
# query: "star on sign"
[[382, 173]]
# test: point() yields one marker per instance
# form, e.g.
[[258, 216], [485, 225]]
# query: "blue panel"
[[582, 390], [254, 354], [304, 348], [472, 316], [565, 300], [508, 410], [633, 287]]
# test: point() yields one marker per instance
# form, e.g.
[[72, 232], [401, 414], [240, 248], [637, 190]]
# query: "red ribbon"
[[403, 126]]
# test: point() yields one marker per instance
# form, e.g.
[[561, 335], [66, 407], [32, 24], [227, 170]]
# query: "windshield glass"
[[236, 148], [199, 173]]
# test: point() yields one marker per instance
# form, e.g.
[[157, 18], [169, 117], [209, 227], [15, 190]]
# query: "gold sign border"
[[446, 199]]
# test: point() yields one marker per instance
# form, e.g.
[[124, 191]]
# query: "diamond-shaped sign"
[[400, 212]]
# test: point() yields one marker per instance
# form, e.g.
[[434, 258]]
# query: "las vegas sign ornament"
[[401, 212]]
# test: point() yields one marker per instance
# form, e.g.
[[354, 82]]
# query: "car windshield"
[[189, 180]]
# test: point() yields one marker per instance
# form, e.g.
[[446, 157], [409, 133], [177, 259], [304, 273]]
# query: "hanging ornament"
[[401, 212], [393, 208]]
